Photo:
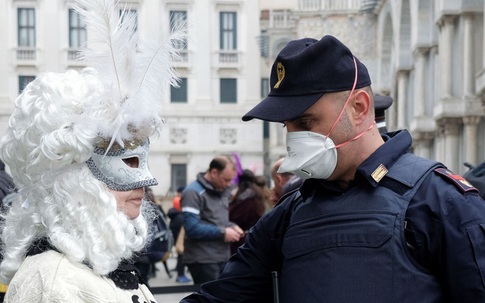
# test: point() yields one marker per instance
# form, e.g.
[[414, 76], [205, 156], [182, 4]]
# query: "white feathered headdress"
[[134, 73]]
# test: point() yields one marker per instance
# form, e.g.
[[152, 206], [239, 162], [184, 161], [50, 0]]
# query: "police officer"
[[381, 104], [371, 222], [476, 176]]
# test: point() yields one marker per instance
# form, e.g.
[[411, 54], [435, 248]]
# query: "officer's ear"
[[360, 107]]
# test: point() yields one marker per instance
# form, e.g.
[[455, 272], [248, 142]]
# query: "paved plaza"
[[162, 279]]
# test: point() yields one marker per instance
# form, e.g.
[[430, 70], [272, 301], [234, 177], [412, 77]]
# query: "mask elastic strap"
[[347, 101], [356, 137]]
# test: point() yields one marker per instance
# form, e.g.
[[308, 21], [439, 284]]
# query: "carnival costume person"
[[77, 147]]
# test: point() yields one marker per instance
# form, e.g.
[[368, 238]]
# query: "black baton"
[[276, 292]]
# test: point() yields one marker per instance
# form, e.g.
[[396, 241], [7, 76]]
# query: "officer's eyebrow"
[[300, 117]]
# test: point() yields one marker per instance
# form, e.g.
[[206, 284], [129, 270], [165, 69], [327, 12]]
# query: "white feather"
[[135, 74]]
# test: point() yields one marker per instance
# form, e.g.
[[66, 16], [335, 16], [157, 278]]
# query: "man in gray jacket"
[[208, 231]]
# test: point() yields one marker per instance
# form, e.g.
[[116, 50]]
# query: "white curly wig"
[[60, 199], [57, 122]]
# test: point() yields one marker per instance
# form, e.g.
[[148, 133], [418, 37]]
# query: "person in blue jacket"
[[208, 231], [372, 222]]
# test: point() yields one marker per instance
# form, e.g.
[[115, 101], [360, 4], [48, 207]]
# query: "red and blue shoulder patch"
[[463, 185]]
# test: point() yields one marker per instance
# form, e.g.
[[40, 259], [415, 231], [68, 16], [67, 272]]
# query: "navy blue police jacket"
[[406, 230]]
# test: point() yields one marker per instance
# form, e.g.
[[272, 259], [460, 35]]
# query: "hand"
[[233, 234]]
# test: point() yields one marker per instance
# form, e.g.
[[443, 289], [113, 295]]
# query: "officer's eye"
[[132, 162], [304, 123]]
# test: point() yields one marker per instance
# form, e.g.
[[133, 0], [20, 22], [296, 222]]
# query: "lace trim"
[[126, 276]]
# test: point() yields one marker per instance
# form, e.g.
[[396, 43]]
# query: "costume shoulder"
[[460, 183], [51, 277]]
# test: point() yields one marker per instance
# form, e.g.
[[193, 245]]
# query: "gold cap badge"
[[280, 72]]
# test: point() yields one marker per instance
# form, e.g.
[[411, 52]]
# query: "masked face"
[[313, 155], [123, 169]]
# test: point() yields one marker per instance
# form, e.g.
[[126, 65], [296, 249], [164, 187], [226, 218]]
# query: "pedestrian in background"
[[159, 246], [263, 185], [208, 231], [176, 225], [247, 206], [476, 176], [279, 180], [372, 222], [381, 104], [176, 199]]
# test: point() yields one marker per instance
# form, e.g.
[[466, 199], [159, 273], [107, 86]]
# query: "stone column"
[[451, 128], [447, 27], [483, 37], [470, 132], [402, 86], [440, 141], [419, 99], [468, 57], [423, 143]]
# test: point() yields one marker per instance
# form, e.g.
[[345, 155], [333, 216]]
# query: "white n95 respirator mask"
[[310, 155]]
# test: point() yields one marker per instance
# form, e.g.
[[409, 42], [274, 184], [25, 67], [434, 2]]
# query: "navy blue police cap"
[[303, 72], [381, 103], [476, 176]]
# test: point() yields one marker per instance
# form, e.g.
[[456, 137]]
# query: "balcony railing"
[[280, 19], [228, 57], [329, 5], [26, 53]]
